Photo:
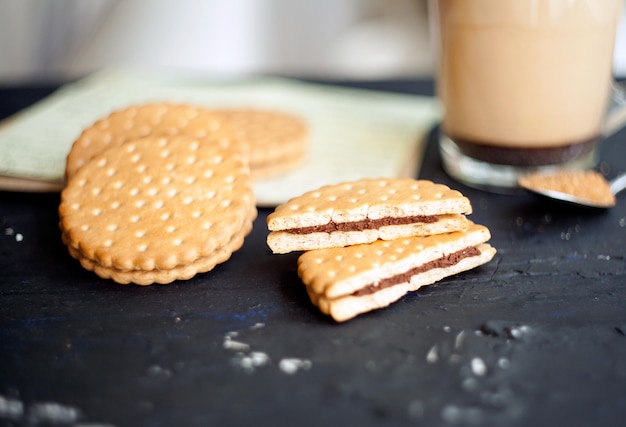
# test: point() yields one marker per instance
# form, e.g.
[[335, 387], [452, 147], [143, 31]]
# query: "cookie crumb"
[[249, 362], [235, 345], [478, 367], [52, 413], [11, 408], [432, 356], [292, 365], [259, 358]]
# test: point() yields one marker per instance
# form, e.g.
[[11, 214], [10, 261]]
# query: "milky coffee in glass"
[[525, 84]]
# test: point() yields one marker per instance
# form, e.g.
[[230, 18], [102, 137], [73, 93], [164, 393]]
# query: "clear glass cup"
[[525, 85]]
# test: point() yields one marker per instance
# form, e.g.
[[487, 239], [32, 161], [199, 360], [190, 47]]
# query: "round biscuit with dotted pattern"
[[171, 206], [278, 140], [139, 121]]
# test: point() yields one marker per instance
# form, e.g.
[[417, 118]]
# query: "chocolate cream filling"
[[366, 224], [443, 262]]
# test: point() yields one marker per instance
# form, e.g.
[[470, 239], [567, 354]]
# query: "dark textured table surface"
[[536, 337]]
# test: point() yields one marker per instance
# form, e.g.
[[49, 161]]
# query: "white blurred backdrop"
[[61, 39]]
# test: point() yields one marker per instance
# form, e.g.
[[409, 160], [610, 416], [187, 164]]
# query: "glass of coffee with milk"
[[525, 85]]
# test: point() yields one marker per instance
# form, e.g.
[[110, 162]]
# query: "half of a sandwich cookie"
[[365, 211], [346, 282]]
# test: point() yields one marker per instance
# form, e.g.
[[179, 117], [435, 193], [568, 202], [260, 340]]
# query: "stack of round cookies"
[[160, 192]]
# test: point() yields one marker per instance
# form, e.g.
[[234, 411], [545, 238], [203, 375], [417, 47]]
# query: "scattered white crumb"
[[235, 345], [231, 344], [9, 231], [249, 362], [518, 331], [478, 367], [458, 341], [433, 355], [447, 329], [244, 362], [43, 413], [11, 408], [244, 358], [51, 412], [292, 365], [259, 358]]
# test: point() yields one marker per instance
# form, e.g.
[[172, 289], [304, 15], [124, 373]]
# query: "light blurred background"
[[356, 39]]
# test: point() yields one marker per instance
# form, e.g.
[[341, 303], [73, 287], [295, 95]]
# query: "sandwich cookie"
[[345, 282], [158, 209], [364, 211], [139, 121], [279, 141]]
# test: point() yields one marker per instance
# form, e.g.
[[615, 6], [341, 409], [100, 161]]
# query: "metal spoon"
[[577, 194]]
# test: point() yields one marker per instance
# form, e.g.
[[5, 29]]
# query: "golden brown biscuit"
[[158, 209], [139, 121], [279, 141], [345, 282], [364, 211], [181, 272]]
